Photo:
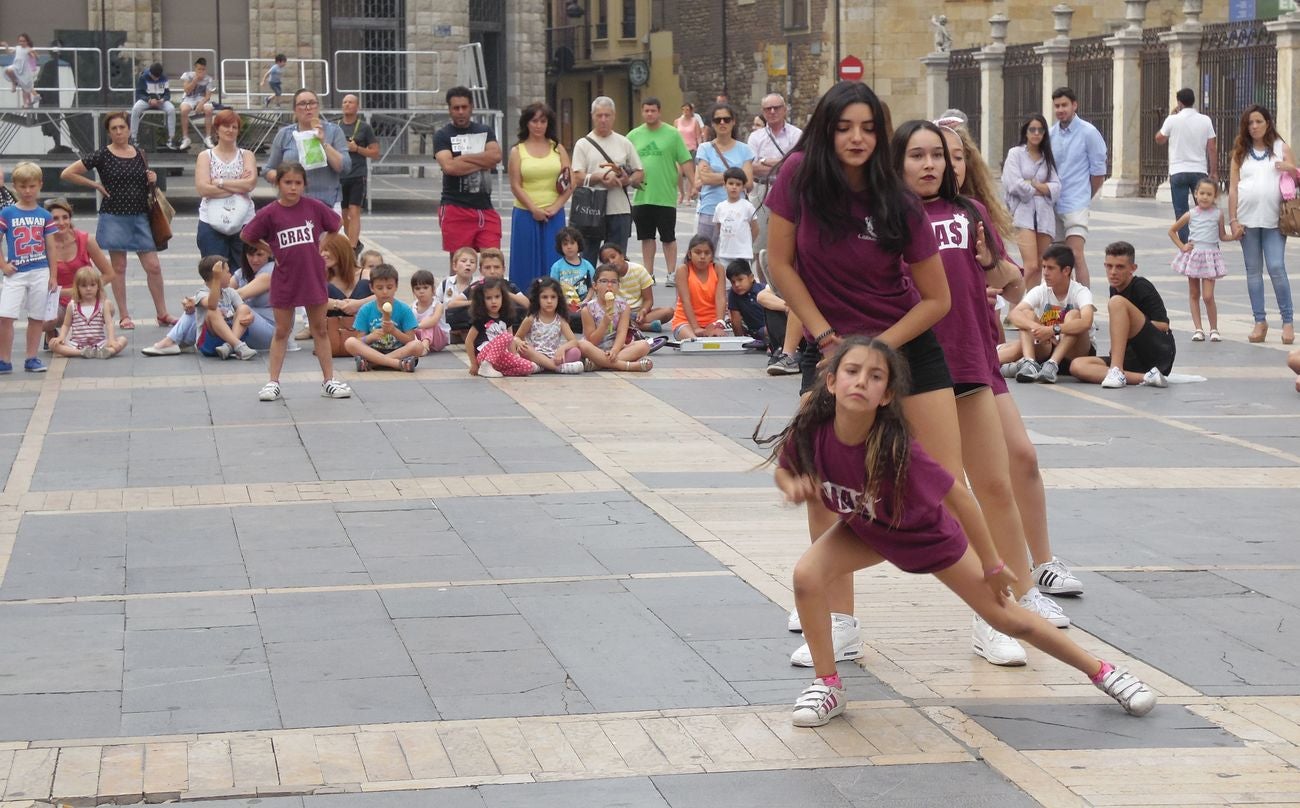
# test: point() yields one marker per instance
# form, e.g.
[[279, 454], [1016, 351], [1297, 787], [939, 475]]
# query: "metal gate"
[[370, 32], [1022, 87], [964, 87], [1238, 68], [1153, 158], [1090, 72]]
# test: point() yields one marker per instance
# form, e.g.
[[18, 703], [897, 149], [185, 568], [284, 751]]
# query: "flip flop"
[[126, 324]]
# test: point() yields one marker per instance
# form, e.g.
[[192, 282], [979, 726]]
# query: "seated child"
[[87, 328], [606, 321], [544, 336], [224, 315], [572, 270], [431, 327], [454, 292], [492, 264], [748, 316], [386, 327], [636, 289], [489, 344], [253, 283], [700, 294]]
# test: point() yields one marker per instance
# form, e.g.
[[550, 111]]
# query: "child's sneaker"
[[1154, 378], [1214, 335], [34, 365], [103, 352], [363, 364], [846, 639], [996, 648], [6, 367], [88, 353], [1114, 379], [1055, 578], [1127, 689], [571, 367], [269, 392], [1046, 608], [486, 370], [223, 351], [792, 622], [335, 389], [818, 704], [244, 352], [408, 363]]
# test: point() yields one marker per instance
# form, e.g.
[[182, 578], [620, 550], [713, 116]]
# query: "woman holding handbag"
[[225, 177], [541, 182], [1259, 159], [714, 158], [125, 186]]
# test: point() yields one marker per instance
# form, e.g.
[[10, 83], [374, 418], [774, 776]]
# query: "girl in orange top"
[[701, 294]]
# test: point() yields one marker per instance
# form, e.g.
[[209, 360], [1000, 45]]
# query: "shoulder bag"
[[1289, 213], [231, 213], [587, 207], [161, 211]]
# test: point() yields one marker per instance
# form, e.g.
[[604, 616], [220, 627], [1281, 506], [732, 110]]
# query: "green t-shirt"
[[662, 150]]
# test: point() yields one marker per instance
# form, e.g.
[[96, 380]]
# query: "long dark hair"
[[529, 112], [820, 183], [1245, 141], [1045, 147], [478, 300], [535, 296], [948, 189], [888, 444]]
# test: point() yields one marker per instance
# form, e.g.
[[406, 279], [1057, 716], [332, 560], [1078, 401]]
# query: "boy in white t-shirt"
[[1055, 322], [736, 221]]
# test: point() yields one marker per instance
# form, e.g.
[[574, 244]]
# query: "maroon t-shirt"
[[858, 287], [927, 538], [968, 344], [294, 234]]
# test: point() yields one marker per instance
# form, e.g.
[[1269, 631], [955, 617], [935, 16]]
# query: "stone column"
[[1127, 109], [1287, 29], [1184, 42], [1056, 55], [936, 82], [991, 59]]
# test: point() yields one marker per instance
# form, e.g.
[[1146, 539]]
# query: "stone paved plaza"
[[561, 591]]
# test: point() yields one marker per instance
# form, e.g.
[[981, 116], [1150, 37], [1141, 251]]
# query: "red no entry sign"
[[851, 68]]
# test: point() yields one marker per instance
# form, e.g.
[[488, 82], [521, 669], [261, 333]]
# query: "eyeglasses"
[[723, 120], [307, 104], [607, 280], [776, 108], [1035, 130]]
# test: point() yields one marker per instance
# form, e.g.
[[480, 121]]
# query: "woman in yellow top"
[[539, 179]]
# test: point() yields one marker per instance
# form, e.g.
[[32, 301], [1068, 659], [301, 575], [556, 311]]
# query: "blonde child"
[[544, 336], [368, 260], [28, 281], [87, 329], [454, 292], [701, 294], [606, 319], [432, 327], [1199, 258]]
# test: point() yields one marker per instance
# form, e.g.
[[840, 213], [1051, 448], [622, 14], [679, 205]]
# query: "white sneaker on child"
[[792, 622], [486, 370], [1128, 690], [994, 646], [818, 704], [846, 638], [1046, 608], [571, 367]]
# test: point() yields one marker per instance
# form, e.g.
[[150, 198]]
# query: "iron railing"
[[964, 88], [1153, 158], [1238, 69], [1090, 71], [1022, 88]]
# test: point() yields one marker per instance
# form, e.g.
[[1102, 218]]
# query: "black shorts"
[[925, 363], [963, 389], [1149, 348], [649, 218], [354, 191]]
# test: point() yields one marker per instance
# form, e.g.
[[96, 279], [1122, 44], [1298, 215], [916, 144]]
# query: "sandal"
[[1214, 335], [167, 321], [126, 324], [640, 366], [1198, 336]]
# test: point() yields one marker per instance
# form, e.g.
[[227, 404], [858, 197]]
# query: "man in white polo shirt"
[[1193, 151]]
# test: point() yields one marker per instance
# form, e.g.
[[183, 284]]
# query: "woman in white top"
[[1031, 185], [225, 177], [1259, 158]]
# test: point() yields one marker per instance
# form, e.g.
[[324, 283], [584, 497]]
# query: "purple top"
[[927, 539], [294, 234], [858, 287]]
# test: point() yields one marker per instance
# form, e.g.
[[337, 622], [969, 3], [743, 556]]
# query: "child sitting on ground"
[[492, 264], [636, 288], [386, 327], [87, 321], [605, 324], [572, 270], [700, 298], [224, 315], [454, 292], [431, 327], [544, 336], [490, 341], [745, 306]]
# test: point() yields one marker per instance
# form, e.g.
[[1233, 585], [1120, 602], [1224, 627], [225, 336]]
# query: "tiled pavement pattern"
[[455, 592]]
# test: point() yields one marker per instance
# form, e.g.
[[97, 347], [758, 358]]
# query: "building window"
[[629, 19], [795, 14], [658, 15], [602, 19]]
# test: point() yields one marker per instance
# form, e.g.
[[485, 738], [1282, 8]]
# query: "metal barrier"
[[154, 55], [471, 73], [389, 77], [252, 89], [58, 54]]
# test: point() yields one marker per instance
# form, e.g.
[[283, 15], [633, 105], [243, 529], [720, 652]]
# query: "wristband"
[[823, 336], [989, 573]]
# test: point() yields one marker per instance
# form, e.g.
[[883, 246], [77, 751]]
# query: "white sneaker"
[[994, 646], [1114, 378], [846, 638], [1054, 578], [269, 392], [223, 351], [293, 346], [335, 389], [207, 141], [1046, 608], [1128, 690], [244, 352], [1010, 369], [669, 281], [818, 704], [184, 145], [567, 367], [1154, 378], [486, 370], [792, 622]]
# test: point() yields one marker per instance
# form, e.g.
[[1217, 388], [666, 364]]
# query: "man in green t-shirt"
[[665, 159]]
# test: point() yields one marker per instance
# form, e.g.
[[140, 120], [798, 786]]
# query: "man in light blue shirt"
[[1080, 156]]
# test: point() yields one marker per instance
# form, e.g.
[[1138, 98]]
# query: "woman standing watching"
[[714, 158], [1259, 158], [537, 164], [124, 180], [690, 128], [1031, 184], [225, 177]]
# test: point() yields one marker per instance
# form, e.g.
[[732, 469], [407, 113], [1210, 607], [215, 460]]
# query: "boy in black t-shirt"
[[1140, 336], [755, 311]]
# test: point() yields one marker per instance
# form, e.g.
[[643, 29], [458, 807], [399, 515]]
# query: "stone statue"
[[942, 39]]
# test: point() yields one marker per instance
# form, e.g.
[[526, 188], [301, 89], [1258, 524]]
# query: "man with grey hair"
[[604, 157], [770, 146]]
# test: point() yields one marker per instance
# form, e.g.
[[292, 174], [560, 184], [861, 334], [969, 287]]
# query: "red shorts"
[[469, 227]]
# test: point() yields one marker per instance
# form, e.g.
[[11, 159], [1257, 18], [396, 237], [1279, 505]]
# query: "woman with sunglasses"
[[712, 160], [1031, 184]]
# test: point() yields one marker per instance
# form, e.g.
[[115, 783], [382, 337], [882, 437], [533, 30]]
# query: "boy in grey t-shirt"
[[226, 316]]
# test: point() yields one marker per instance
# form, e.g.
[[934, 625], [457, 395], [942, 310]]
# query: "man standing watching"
[[1080, 156], [609, 159], [362, 146], [770, 146], [1193, 151], [467, 152], [664, 157]]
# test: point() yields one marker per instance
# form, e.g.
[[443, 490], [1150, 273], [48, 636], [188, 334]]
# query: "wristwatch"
[[1056, 329]]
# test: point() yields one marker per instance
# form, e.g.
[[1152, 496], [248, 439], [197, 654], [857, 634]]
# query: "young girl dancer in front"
[[848, 455], [545, 336], [1199, 258], [87, 324], [294, 225]]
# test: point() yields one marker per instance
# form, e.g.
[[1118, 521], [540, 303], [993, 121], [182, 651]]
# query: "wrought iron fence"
[[1090, 72], [1022, 88], [1238, 68], [1153, 158], [964, 87]]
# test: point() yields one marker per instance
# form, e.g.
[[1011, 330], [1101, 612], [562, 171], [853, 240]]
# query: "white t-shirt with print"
[[1051, 310], [735, 239]]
